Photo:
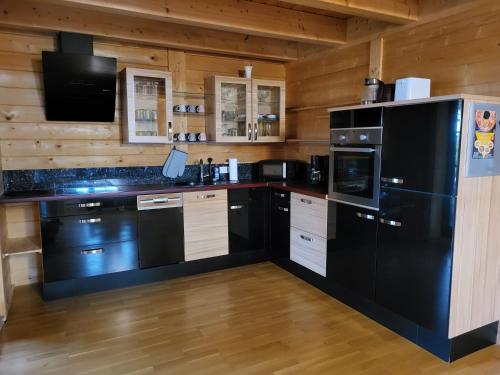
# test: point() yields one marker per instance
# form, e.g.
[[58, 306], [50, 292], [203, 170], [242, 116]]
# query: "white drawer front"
[[309, 214], [308, 250]]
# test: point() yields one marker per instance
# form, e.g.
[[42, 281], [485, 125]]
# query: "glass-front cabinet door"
[[245, 110], [268, 102], [146, 106], [230, 110]]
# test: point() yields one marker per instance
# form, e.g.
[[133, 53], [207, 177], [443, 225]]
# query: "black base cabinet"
[[83, 237], [247, 219], [415, 242], [279, 224], [351, 257]]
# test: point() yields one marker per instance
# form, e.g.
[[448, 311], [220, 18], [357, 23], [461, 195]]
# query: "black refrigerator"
[[419, 176]]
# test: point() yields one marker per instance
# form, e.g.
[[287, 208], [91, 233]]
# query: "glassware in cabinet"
[[245, 110], [146, 106], [268, 98], [228, 109]]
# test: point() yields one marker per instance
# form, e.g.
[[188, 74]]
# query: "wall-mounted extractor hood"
[[78, 85]]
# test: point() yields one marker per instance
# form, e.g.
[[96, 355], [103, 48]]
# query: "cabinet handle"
[[306, 201], [249, 131], [365, 216], [391, 180], [90, 221], [392, 223], [235, 207], [92, 251], [281, 195], [284, 209], [90, 204], [208, 196], [255, 131], [169, 130], [305, 238]]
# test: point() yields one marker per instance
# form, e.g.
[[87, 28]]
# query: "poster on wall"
[[484, 134]]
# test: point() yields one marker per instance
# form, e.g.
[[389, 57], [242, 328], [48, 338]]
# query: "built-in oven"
[[355, 157]]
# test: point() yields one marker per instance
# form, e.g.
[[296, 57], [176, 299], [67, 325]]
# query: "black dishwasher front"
[[160, 230]]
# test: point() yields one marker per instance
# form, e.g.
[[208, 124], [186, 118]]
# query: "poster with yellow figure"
[[484, 139]]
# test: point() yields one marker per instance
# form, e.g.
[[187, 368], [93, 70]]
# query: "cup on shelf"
[[200, 108], [248, 71], [192, 137], [180, 108], [180, 137], [191, 108], [202, 137]]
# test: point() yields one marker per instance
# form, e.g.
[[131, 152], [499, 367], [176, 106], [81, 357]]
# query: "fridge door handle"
[[392, 223], [392, 180], [365, 216]]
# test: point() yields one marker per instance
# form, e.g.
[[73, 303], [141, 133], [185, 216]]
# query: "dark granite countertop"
[[99, 191]]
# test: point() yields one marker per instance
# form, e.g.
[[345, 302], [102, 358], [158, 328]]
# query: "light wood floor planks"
[[256, 319]]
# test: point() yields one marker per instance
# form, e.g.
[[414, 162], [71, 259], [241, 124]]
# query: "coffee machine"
[[319, 169]]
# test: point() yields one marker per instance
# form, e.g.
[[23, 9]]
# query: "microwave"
[[281, 170]]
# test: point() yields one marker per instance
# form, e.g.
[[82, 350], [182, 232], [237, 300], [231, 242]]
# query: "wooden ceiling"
[[270, 29]]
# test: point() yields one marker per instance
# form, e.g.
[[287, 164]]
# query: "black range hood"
[[78, 85]]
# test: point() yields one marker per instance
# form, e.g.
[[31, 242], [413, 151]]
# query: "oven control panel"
[[356, 136]]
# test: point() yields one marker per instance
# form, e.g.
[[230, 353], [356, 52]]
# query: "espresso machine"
[[319, 169]]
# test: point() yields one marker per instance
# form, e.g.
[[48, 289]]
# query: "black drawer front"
[[280, 197], [246, 194], [77, 262], [89, 230], [86, 206]]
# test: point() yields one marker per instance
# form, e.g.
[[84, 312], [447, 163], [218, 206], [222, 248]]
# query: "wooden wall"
[[333, 77], [460, 53], [457, 48], [27, 141]]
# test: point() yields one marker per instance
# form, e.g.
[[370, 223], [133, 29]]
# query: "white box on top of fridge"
[[412, 88]]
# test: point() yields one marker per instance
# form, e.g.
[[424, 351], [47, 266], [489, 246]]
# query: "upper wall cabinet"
[[245, 110], [146, 106]]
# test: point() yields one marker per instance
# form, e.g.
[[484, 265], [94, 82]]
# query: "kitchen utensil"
[[371, 90]]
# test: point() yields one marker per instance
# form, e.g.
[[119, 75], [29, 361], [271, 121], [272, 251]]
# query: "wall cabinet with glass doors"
[[146, 106], [245, 110]]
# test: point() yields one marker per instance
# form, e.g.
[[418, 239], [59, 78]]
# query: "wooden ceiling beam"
[[36, 15], [393, 11], [229, 15]]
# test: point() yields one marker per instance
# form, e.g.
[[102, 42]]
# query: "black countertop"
[[99, 190]]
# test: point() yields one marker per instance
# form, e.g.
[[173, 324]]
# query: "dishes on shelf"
[[189, 108], [190, 137]]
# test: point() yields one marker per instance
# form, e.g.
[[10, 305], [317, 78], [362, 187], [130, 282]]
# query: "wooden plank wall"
[[457, 48], [28, 141], [460, 53], [333, 77]]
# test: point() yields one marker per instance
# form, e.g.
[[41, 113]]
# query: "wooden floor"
[[256, 319]]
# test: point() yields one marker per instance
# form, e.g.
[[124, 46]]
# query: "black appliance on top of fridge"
[[392, 189]]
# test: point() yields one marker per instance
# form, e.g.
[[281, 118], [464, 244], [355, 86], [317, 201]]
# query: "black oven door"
[[355, 175]]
